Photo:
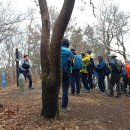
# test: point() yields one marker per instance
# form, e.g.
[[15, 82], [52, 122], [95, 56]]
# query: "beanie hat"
[[88, 51], [100, 57], [65, 42], [82, 54], [113, 56], [73, 51]]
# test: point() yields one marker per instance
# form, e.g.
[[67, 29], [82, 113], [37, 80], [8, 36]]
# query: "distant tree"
[[106, 21], [77, 41], [9, 21], [11, 37], [122, 30], [53, 16], [92, 41], [112, 27], [33, 34]]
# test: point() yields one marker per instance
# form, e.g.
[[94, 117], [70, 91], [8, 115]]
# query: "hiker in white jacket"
[[24, 68]]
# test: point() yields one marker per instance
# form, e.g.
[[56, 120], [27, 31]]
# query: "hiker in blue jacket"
[[67, 58], [100, 73], [75, 76]]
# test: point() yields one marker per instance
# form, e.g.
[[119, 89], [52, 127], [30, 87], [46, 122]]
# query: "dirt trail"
[[93, 111]]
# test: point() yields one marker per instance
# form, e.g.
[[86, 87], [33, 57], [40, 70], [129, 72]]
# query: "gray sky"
[[23, 5], [82, 17]]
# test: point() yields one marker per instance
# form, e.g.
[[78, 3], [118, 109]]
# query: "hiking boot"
[[118, 96], [128, 94], [78, 94], [103, 93], [87, 91], [31, 87], [72, 94], [110, 95], [91, 90], [83, 89], [125, 94], [63, 109]]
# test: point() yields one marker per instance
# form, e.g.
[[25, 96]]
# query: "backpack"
[[128, 69], [107, 70], [89, 67], [124, 71], [25, 65], [66, 61], [78, 63], [116, 67]]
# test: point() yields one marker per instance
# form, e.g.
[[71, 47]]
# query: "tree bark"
[[51, 56], [45, 56]]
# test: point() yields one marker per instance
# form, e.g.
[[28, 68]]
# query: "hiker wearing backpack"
[[126, 78], [101, 71], [90, 68], [67, 58], [115, 78], [75, 76], [24, 68], [84, 72]]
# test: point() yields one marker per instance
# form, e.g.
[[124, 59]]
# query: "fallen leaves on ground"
[[93, 111]]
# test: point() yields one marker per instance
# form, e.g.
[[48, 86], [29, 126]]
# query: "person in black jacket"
[[90, 69], [115, 78]]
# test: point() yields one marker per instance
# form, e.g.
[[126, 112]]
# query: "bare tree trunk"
[[123, 46], [45, 58], [51, 56], [124, 54]]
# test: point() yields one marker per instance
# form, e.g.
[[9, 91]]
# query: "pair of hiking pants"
[[115, 80]]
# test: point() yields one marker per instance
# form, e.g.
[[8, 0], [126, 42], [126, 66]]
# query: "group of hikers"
[[80, 69]]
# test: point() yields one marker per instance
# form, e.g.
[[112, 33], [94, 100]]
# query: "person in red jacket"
[[126, 79]]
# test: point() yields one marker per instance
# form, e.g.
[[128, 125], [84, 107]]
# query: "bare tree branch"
[[92, 5]]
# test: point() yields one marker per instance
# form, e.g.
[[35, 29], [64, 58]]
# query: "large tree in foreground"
[[51, 56]]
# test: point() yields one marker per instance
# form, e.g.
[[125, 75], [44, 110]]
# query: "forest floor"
[[89, 111]]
